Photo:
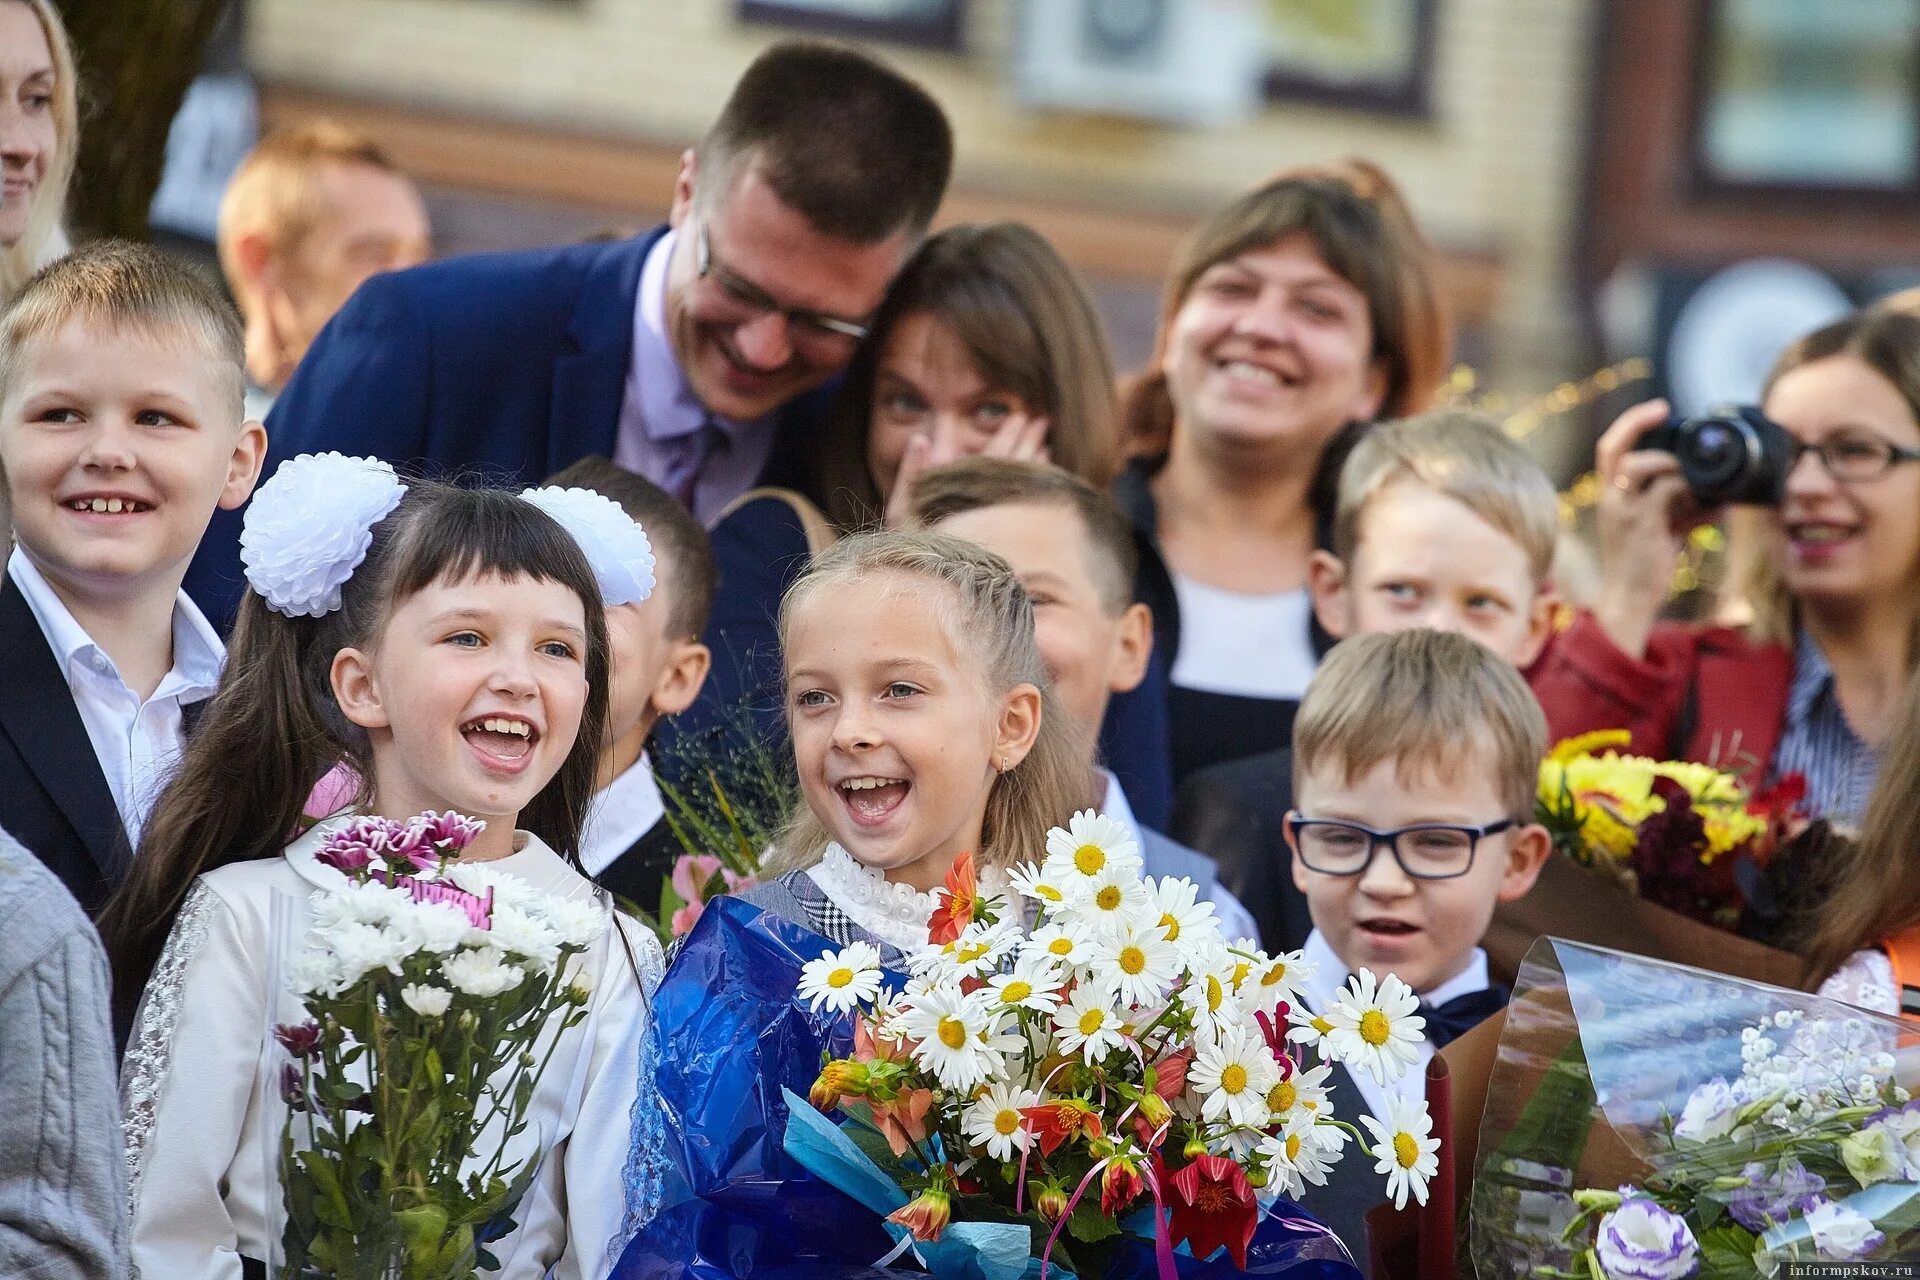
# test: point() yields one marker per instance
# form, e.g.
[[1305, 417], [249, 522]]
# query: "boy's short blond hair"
[[1461, 455], [1427, 700], [116, 284], [276, 189]]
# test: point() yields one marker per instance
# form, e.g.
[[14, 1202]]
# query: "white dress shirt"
[[621, 814], [137, 743], [1323, 988]]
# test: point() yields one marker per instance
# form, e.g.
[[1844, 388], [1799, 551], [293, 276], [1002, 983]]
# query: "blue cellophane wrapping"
[[730, 1036]]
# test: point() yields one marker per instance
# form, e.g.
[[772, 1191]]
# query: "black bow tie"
[[1461, 1014]]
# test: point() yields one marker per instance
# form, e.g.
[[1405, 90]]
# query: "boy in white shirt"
[[1415, 759], [121, 431]]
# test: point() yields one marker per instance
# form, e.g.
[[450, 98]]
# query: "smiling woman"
[[1306, 307], [39, 126]]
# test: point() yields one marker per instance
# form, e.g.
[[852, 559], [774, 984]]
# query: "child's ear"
[[1132, 648], [1019, 727], [1539, 625], [355, 691], [1529, 851], [243, 468], [252, 258], [683, 191], [1293, 851], [680, 680], [1327, 581]]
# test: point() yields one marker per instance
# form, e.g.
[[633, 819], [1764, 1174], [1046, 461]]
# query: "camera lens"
[[1714, 453]]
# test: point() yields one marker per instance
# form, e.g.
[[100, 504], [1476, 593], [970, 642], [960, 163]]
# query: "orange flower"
[[836, 1080], [927, 1214], [1050, 1201], [958, 901], [903, 1120], [1058, 1122]]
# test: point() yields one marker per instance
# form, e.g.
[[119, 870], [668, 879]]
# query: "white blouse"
[[201, 1081], [1865, 981]]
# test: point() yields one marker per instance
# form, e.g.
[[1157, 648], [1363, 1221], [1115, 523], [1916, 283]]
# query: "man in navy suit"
[[686, 354]]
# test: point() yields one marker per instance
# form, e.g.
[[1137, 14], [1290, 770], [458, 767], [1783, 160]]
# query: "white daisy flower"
[[1138, 963], [1304, 1093], [1110, 902], [1376, 1029], [1297, 1157], [1308, 1028], [977, 952], [840, 980], [1066, 943], [1034, 984], [1089, 847], [1274, 979], [1231, 1076], [1030, 881], [1405, 1149], [1187, 922], [994, 1120], [950, 1030], [1208, 996], [1088, 1024]]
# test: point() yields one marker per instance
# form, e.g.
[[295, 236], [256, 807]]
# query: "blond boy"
[[1415, 755], [121, 431]]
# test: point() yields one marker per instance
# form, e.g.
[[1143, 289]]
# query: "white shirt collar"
[[198, 654], [629, 808]]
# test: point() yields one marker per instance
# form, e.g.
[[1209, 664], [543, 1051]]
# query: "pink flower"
[[334, 792], [692, 872], [451, 831], [346, 851], [682, 922]]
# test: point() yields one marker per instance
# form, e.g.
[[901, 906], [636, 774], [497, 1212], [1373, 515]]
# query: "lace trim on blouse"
[[1865, 981], [144, 1074], [645, 1175]]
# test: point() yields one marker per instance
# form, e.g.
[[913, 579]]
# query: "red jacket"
[[1700, 693]]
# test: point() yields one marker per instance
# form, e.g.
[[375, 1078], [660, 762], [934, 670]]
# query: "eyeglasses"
[[751, 298], [1426, 851], [1854, 456]]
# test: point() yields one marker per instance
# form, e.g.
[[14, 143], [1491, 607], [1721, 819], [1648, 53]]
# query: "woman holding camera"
[[1827, 584]]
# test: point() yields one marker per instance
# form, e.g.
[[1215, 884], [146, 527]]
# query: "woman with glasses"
[[1825, 588]]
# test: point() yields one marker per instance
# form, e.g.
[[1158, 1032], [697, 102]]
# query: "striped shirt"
[[1820, 745]]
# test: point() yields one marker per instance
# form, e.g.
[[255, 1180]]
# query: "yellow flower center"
[[1405, 1150], [972, 951], [1060, 947], [1108, 899], [1092, 1020], [1133, 961], [1216, 994], [1282, 1097], [1048, 892], [1016, 991], [952, 1032], [1293, 1146], [1007, 1123], [1374, 1027], [840, 977], [1172, 927], [1240, 972], [1322, 1026], [1234, 1078], [1273, 976], [1088, 859]]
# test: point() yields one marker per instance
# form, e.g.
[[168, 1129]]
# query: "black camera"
[[1729, 454]]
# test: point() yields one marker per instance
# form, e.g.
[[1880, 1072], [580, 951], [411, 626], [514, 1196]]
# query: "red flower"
[[1119, 1185], [958, 901], [1058, 1122], [1170, 1074], [1212, 1205]]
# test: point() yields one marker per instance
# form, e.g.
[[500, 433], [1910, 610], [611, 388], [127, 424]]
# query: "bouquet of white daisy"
[[436, 993], [1691, 1124], [1092, 1056]]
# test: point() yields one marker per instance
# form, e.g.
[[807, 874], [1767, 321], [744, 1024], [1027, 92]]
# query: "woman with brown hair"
[[39, 133], [986, 344], [1303, 310], [1829, 580]]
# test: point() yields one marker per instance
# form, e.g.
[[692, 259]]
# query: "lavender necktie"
[[687, 459]]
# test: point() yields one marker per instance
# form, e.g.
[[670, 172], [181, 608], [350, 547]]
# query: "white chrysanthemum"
[[1137, 962], [433, 927], [315, 972], [1088, 1024], [578, 921], [1376, 1029], [309, 527], [840, 980], [1031, 882], [994, 1122], [428, 1002], [1187, 922], [1274, 979], [525, 936], [1034, 984], [616, 546], [951, 1032], [484, 972], [361, 902], [1405, 1149], [1067, 943], [1110, 903], [1231, 1077], [359, 949], [508, 889], [1207, 995], [1090, 847]]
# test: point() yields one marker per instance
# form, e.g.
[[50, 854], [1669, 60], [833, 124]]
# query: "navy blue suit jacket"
[[502, 367]]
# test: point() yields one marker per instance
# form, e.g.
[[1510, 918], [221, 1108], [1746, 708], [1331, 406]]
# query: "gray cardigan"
[[63, 1200]]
